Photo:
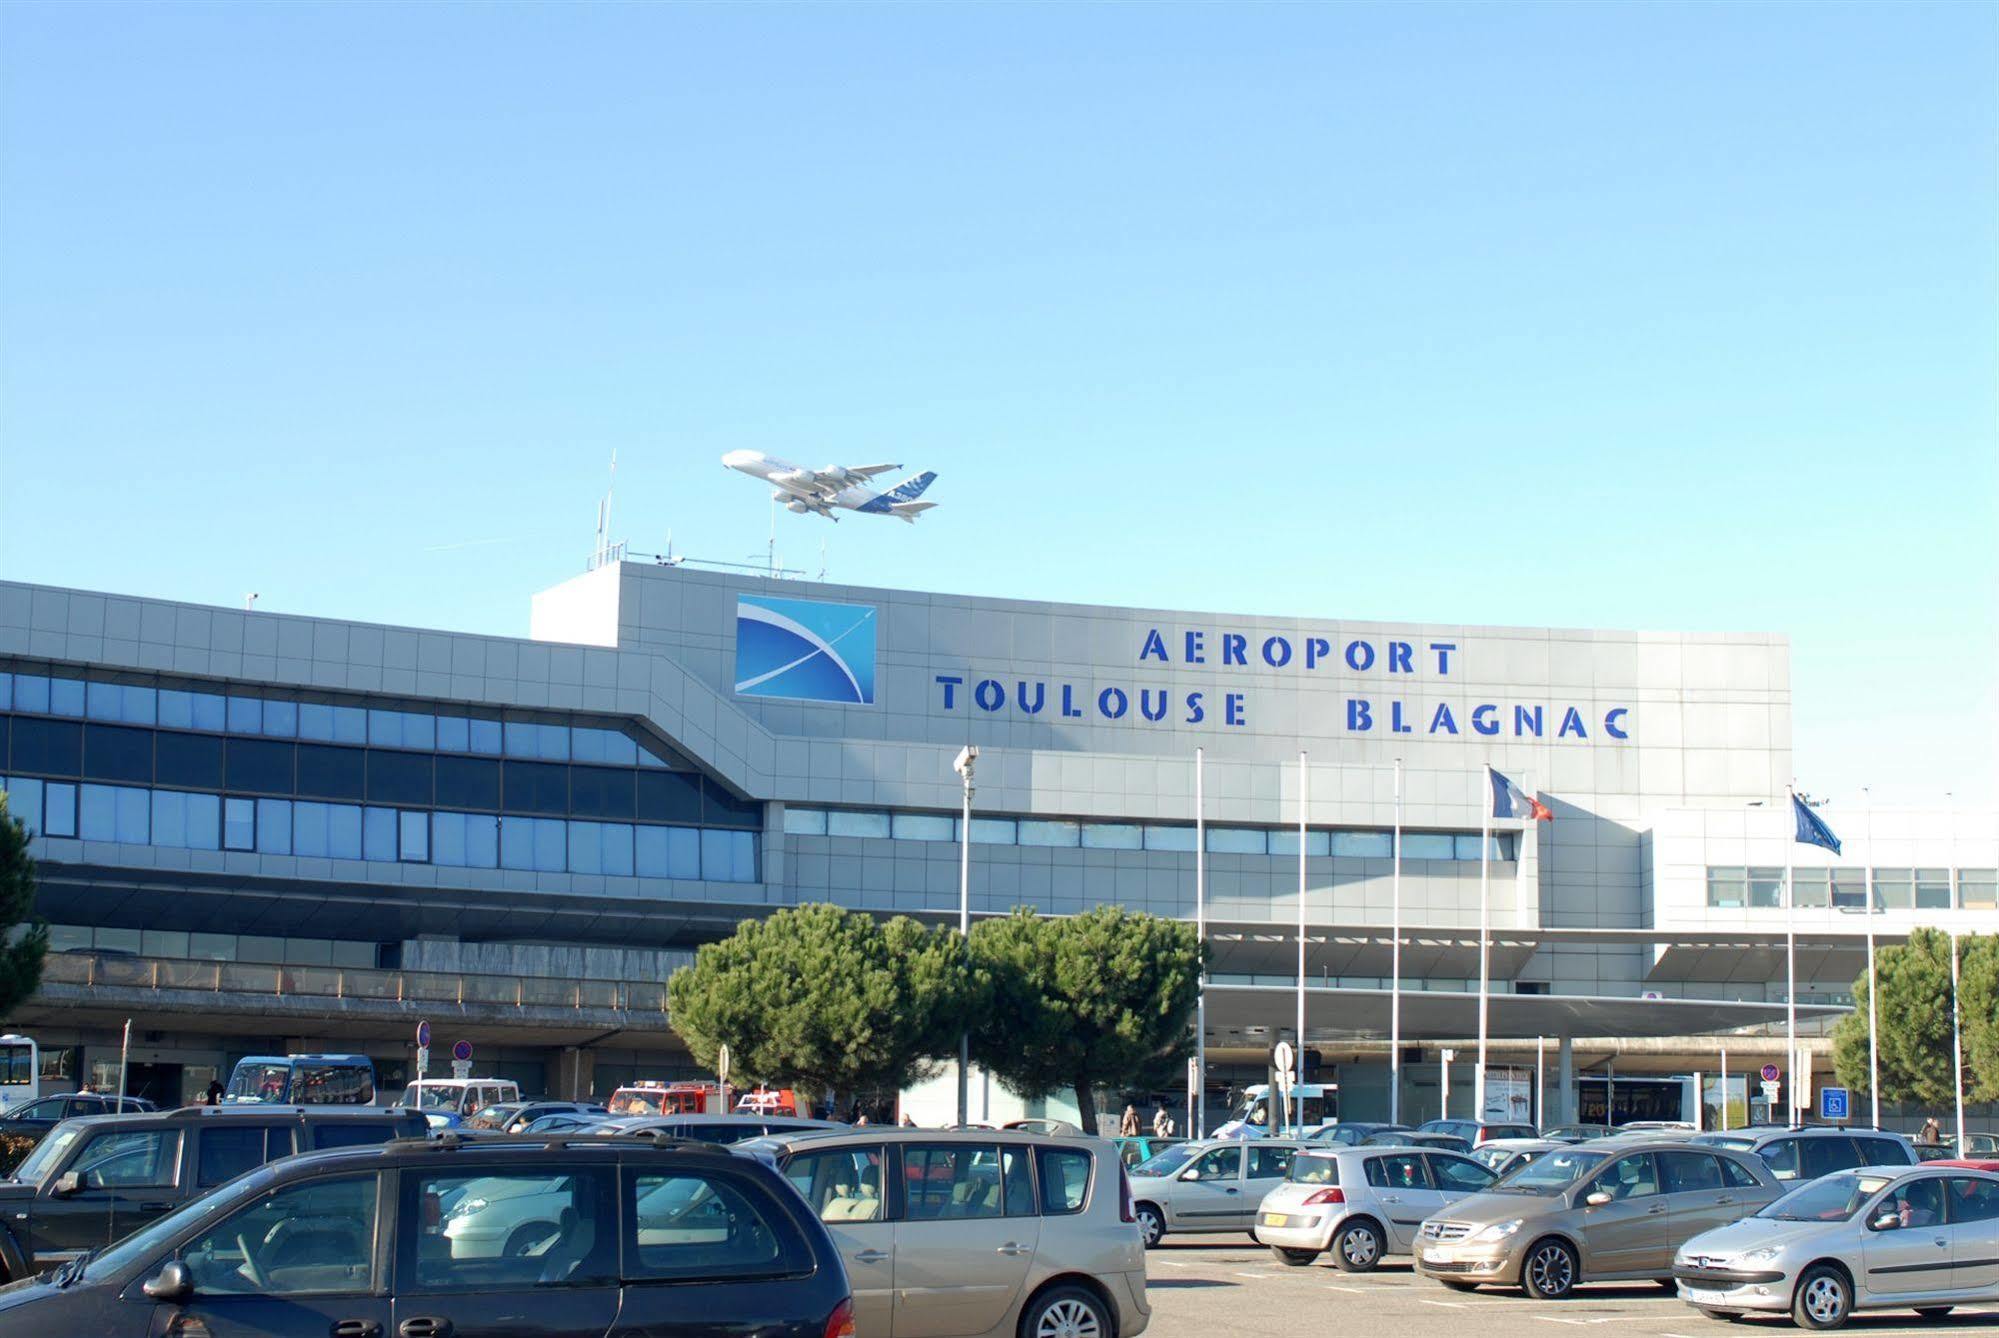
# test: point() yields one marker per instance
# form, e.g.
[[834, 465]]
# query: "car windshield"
[[1551, 1174], [1492, 1158], [495, 1114], [1832, 1199], [1312, 1168], [432, 1096], [1167, 1162], [48, 1154], [259, 1082]]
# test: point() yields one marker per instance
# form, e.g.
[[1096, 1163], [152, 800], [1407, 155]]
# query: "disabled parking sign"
[[1834, 1103]]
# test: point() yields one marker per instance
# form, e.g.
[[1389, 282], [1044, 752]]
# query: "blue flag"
[[1811, 830]]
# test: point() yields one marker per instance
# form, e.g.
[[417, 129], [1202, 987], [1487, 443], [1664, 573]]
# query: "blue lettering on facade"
[[1145, 706], [1232, 709], [1040, 698], [989, 694], [1113, 703], [1398, 657], [950, 686], [1196, 713], [1611, 725], [1442, 720], [1234, 648], [1276, 652], [1482, 721], [1572, 720], [1443, 649], [1316, 648], [1194, 646], [1396, 725], [1360, 718], [1154, 647], [1525, 721], [1070, 710], [1360, 656]]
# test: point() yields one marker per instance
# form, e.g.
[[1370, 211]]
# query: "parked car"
[[1474, 1132], [446, 1102], [561, 1123], [291, 1251], [1216, 1189], [1144, 1147], [1502, 1155], [41, 1115], [95, 1179], [1576, 1133], [711, 1128], [1607, 1210], [495, 1117], [1352, 1134], [1361, 1203], [1802, 1154], [527, 1112], [1979, 1145], [981, 1233], [1416, 1138], [1922, 1238]]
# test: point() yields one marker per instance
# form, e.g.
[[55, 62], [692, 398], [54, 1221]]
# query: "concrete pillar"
[[570, 1074], [1565, 1079]]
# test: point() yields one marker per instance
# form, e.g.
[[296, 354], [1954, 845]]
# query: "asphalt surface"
[[1201, 1287]]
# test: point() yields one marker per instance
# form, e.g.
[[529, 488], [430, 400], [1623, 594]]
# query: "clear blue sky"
[[1611, 315]]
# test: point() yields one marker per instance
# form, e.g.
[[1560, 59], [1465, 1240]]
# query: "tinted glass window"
[[1919, 1203], [512, 1228], [51, 746], [1630, 1177], [1736, 1174], [1398, 1172], [1268, 1163], [1458, 1176], [700, 1224], [259, 766], [1065, 1180], [1782, 1157], [536, 787], [468, 782], [1882, 1152], [351, 1133], [331, 773], [193, 760], [723, 809], [111, 752], [317, 1237], [1823, 1156], [951, 1183], [129, 1158], [1686, 1172], [601, 792], [1219, 1164], [332, 1085], [399, 778], [844, 1185], [225, 1151], [669, 796], [1972, 1200]]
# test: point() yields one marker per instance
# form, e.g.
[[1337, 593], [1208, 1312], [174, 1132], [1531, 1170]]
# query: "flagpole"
[[1200, 1120], [1484, 939], [1304, 799], [1873, 994], [1395, 964], [1791, 961]]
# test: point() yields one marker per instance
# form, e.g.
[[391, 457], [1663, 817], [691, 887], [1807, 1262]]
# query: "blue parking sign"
[[1833, 1103]]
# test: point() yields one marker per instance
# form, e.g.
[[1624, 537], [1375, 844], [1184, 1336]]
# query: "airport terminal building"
[[264, 831]]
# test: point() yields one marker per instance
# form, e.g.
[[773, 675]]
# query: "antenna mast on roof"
[[603, 551]]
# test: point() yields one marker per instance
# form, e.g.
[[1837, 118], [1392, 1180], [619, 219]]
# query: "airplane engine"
[[795, 479], [796, 507], [836, 475]]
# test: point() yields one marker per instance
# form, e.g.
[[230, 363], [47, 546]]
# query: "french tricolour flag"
[[1510, 801]]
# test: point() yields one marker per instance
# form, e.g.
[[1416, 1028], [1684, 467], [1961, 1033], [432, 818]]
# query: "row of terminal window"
[[1847, 888], [191, 821], [1141, 836], [285, 718]]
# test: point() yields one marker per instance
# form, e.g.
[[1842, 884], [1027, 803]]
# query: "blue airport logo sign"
[[805, 650]]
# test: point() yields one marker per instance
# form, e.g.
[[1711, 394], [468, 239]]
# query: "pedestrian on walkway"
[[1931, 1134], [1128, 1126]]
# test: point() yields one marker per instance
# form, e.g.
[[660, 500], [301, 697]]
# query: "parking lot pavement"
[[1230, 1285]]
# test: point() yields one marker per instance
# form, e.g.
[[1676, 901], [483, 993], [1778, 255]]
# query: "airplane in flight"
[[822, 491]]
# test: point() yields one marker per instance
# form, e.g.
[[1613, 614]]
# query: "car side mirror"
[[1597, 1198], [172, 1283], [68, 1183], [1887, 1221], [1190, 1174]]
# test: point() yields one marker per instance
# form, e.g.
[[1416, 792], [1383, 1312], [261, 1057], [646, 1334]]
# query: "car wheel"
[[1823, 1300], [1549, 1274], [1357, 1249], [1933, 1311], [1151, 1226], [1295, 1258], [525, 1238], [1066, 1312]]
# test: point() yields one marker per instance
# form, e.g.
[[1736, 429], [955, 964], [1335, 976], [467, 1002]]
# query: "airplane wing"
[[869, 471]]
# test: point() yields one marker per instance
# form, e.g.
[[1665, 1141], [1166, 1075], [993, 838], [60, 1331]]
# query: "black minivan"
[[465, 1238]]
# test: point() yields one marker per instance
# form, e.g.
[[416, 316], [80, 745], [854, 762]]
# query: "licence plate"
[[1704, 1293], [1273, 1219]]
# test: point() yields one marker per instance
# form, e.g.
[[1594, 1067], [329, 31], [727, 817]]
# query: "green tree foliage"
[[20, 954], [1915, 1037], [1083, 1002], [826, 999]]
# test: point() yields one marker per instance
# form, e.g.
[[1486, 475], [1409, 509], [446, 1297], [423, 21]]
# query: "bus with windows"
[[20, 1070], [1312, 1104], [302, 1080]]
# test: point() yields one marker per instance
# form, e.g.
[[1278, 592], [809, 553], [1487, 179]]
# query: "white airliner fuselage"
[[841, 487]]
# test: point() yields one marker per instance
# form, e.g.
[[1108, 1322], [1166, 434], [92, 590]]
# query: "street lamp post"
[[967, 757]]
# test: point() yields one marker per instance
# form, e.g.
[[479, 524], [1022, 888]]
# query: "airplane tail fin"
[[909, 511], [911, 488]]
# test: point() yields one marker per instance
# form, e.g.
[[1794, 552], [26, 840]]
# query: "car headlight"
[[1762, 1254], [1496, 1231]]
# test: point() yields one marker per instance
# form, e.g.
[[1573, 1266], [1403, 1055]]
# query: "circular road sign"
[[423, 1036], [462, 1050], [1771, 1073], [1282, 1057]]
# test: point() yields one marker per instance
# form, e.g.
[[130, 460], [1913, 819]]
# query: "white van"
[[445, 1102]]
